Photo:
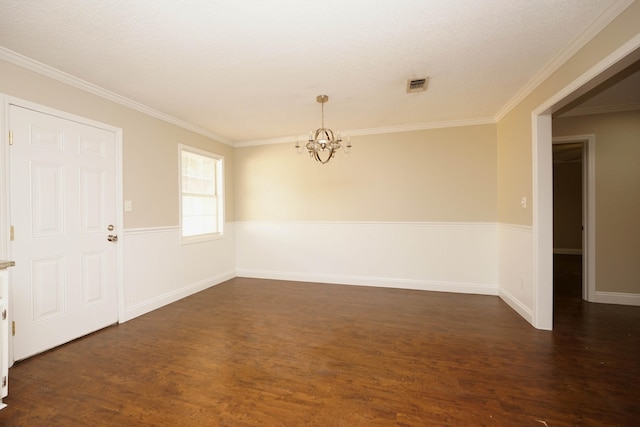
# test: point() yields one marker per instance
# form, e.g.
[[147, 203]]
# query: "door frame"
[[588, 143], [541, 127], [5, 192]]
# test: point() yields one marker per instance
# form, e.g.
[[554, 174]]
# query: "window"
[[201, 201]]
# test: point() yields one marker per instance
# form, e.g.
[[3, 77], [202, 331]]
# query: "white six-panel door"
[[62, 204]]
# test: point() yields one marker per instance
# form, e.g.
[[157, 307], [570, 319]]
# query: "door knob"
[[112, 237]]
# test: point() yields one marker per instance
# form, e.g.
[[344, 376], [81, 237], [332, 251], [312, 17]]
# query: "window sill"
[[187, 240]]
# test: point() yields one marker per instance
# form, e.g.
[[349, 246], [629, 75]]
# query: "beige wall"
[[514, 169], [617, 139], [514, 130], [150, 145], [433, 175]]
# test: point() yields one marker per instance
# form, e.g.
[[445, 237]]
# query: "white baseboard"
[[516, 305], [168, 298], [617, 298], [567, 251], [382, 282]]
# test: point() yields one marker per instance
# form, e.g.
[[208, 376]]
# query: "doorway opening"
[[573, 218], [567, 221]]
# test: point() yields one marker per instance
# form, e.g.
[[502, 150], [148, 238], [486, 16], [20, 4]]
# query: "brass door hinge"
[[13, 328], [11, 234], [10, 137]]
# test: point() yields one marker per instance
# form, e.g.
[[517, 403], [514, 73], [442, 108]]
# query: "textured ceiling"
[[249, 70]]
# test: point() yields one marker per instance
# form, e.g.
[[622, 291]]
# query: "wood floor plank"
[[252, 352]]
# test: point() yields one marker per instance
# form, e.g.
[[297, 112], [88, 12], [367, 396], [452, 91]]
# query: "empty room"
[[303, 213]]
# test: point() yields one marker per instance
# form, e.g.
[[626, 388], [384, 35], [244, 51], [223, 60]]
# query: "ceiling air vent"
[[416, 85]]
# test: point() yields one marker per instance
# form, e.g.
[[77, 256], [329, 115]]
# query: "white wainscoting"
[[516, 268], [450, 257], [158, 270]]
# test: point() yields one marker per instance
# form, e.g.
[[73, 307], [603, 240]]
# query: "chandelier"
[[323, 143]]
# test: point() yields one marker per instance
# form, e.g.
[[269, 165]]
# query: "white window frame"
[[219, 181]]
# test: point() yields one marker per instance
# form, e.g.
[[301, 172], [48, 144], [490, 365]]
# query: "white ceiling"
[[250, 70]]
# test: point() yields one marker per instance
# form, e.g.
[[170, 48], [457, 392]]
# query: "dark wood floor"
[[258, 352]]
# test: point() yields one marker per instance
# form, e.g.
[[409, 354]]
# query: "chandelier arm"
[[325, 161]]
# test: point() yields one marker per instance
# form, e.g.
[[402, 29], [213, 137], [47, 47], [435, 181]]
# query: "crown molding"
[[376, 131], [424, 126], [61, 76], [578, 43]]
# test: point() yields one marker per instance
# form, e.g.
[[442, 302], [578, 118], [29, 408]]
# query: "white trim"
[[146, 230], [425, 126], [542, 194], [22, 103], [5, 179], [516, 305], [386, 223], [376, 131], [594, 28], [119, 221], [617, 298], [516, 227], [61, 76], [542, 273], [383, 282], [219, 195], [5, 211], [589, 267], [173, 296], [567, 251]]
